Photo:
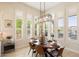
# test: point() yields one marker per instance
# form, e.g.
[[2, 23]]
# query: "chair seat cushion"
[[54, 53]]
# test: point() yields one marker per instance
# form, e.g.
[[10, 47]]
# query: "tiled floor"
[[24, 53]]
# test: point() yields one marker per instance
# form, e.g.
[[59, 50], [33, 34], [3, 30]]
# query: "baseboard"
[[72, 50]]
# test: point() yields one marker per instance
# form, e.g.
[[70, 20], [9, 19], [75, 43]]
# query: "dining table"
[[47, 46], [50, 45]]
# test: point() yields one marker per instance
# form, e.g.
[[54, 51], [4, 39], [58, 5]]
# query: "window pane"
[[18, 34], [46, 28], [72, 24], [60, 27], [18, 23], [29, 23], [36, 29], [18, 28]]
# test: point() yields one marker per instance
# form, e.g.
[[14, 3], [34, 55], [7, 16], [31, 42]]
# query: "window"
[[29, 23], [37, 24], [46, 28], [72, 24], [18, 28], [35, 21], [60, 27], [19, 19], [36, 29]]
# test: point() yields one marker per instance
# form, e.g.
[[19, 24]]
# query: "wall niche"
[[8, 23]]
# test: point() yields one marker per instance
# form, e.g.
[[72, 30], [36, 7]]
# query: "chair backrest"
[[60, 51], [49, 40], [31, 45], [40, 50]]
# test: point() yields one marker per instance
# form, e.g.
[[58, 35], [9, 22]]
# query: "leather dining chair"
[[32, 47], [60, 52], [57, 53], [39, 51]]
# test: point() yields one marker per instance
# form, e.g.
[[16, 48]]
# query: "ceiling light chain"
[[40, 9], [44, 8]]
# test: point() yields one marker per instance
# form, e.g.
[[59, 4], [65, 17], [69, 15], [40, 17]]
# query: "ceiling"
[[36, 5]]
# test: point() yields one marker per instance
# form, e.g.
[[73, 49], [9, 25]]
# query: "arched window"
[[18, 28], [19, 19]]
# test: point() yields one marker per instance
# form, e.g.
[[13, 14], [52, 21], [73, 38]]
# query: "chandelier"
[[44, 18]]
